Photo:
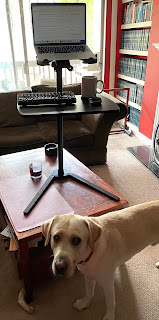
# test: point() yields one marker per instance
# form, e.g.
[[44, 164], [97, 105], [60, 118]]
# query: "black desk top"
[[80, 107]]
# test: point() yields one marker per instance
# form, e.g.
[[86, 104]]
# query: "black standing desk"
[[80, 107]]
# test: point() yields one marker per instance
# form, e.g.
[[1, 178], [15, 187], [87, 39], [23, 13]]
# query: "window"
[[18, 66]]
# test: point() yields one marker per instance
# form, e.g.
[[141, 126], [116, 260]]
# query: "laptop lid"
[[59, 23]]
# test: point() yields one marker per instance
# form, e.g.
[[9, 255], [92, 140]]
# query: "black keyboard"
[[61, 49], [45, 98]]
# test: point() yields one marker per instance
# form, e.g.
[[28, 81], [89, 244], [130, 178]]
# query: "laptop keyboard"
[[61, 49]]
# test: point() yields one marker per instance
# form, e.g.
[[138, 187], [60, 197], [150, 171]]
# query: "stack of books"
[[139, 94], [132, 92], [135, 93], [135, 68], [134, 116], [137, 12], [135, 39]]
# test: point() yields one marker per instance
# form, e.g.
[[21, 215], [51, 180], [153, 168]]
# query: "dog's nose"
[[61, 266]]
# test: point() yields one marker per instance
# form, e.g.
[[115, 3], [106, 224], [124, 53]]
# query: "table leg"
[[26, 269]]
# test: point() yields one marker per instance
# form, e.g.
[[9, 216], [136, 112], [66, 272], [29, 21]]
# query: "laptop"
[[59, 31]]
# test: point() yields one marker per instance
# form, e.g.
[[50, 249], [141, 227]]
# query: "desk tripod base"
[[55, 175], [60, 173]]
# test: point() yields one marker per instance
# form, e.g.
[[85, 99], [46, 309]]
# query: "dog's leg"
[[22, 302], [85, 301], [108, 287]]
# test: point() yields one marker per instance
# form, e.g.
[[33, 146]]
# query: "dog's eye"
[[76, 241], [56, 238]]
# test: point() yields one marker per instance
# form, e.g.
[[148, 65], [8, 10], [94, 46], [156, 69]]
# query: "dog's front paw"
[[81, 304], [108, 317], [22, 302]]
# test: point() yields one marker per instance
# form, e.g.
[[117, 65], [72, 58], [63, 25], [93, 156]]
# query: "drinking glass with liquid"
[[35, 169]]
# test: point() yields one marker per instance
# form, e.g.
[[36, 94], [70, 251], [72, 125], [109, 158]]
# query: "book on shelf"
[[139, 94], [134, 116]]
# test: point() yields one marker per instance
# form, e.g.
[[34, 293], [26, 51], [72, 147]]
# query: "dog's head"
[[72, 239]]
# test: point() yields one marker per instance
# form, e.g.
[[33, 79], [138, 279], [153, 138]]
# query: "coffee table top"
[[80, 198], [80, 107]]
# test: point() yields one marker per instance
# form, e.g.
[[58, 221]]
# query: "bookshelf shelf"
[[127, 1], [132, 104], [131, 79], [134, 52], [137, 25]]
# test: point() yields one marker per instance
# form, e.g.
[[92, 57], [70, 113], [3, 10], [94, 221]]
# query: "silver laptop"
[[59, 31]]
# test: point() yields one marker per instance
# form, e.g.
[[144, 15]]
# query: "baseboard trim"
[[138, 134]]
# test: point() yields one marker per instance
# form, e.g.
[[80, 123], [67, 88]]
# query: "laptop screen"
[[59, 23]]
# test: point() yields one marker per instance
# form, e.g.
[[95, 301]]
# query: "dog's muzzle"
[[61, 266]]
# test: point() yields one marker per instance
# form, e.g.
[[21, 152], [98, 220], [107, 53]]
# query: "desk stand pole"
[[58, 66], [60, 145], [59, 79]]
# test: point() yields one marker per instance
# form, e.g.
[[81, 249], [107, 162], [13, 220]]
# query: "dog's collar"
[[83, 262]]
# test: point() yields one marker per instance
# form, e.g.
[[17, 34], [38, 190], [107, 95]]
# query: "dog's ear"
[[94, 231], [46, 230]]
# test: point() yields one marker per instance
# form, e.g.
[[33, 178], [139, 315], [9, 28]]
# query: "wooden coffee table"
[[83, 200]]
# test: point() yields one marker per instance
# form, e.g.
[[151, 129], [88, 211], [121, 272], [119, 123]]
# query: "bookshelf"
[[133, 53]]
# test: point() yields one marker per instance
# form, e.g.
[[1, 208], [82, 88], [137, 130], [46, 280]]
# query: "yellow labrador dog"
[[98, 245]]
